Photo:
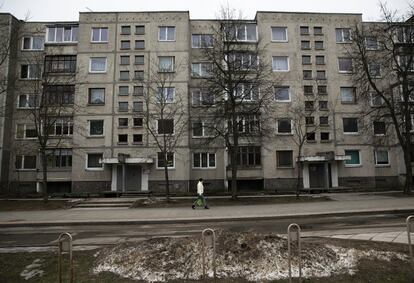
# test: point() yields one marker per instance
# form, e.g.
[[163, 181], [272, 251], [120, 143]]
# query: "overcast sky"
[[67, 10]]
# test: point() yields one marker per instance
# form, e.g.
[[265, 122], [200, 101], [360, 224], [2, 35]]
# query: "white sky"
[[67, 10]]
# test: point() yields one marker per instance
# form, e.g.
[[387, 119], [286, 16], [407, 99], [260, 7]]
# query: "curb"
[[198, 219]]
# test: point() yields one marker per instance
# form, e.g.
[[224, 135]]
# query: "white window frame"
[[62, 121], [24, 137], [200, 99], [31, 43], [172, 62], [27, 106], [200, 36], [236, 33], [276, 40], [166, 33], [291, 127], [22, 163], [345, 72], [90, 90], [165, 91], [376, 158], [366, 43], [63, 35], [342, 35], [288, 65], [200, 66], [29, 72], [100, 35], [98, 72], [246, 97], [354, 101], [282, 101], [208, 161], [359, 157], [350, 133], [89, 128], [203, 130], [169, 168], [93, 168]]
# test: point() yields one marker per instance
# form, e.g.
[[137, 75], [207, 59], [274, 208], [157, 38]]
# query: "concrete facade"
[[142, 30]]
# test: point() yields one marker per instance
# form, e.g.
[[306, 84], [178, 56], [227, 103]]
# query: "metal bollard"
[[208, 238], [410, 247], [296, 237], [65, 246]]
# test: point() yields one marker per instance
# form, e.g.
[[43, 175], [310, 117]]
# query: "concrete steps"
[[116, 203]]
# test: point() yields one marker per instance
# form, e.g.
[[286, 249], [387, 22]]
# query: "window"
[[343, 35], [139, 75], [124, 75], [33, 43], [248, 124], [284, 158], [325, 136], [125, 44], [307, 74], [137, 138], [58, 34], [96, 96], [304, 30], [348, 95], [27, 101], [26, 131], [374, 70], [125, 30], [322, 90], [319, 45], [249, 156], [60, 64], [308, 90], [123, 90], [280, 63], [96, 127], [165, 126], [371, 43], [345, 65], [309, 105], [284, 126], [241, 32], [200, 69], [306, 60], [355, 158], [59, 94], [25, 162], [201, 40], [123, 106], [310, 137], [200, 97], [350, 125], [323, 120], [139, 30], [122, 122], [305, 45], [30, 71], [97, 65], [62, 127], [202, 129], [166, 34], [376, 100], [138, 90], [166, 63], [245, 61], [282, 93], [124, 60], [379, 128], [165, 159], [165, 94], [317, 31], [139, 59], [246, 92], [139, 44], [321, 75], [323, 105], [381, 157], [320, 60], [99, 34], [59, 158], [137, 106], [310, 120], [123, 139], [93, 161], [137, 122], [204, 160], [279, 34]]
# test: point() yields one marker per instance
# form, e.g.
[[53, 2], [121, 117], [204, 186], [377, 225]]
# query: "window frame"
[[281, 71], [201, 167], [166, 33], [359, 158], [200, 40], [167, 134], [89, 128], [168, 167], [345, 71], [376, 158], [56, 27], [31, 38], [354, 96], [347, 132], [284, 133], [278, 40], [22, 163], [171, 62], [87, 168], [98, 72], [343, 41], [291, 166], [100, 35], [275, 88], [382, 133], [27, 104]]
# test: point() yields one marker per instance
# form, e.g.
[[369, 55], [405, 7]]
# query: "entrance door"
[[132, 177], [316, 175]]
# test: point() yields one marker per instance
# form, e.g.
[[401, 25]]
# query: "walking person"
[[200, 201]]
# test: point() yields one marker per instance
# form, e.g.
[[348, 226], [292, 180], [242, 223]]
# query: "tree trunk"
[[298, 178], [233, 174], [408, 172], [44, 175], [167, 181]]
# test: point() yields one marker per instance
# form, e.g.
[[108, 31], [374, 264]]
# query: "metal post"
[[210, 235], [61, 250], [123, 177], [410, 247], [296, 238]]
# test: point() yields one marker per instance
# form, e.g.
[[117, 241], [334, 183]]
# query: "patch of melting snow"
[[32, 270], [247, 255]]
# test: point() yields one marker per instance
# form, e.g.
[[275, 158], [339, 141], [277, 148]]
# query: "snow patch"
[[32, 270]]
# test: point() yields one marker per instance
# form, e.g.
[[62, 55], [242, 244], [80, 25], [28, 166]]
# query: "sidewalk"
[[349, 203]]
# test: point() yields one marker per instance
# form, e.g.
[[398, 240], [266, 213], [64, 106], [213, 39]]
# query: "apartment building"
[[100, 142]]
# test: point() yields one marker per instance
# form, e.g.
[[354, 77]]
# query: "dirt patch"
[[19, 205]]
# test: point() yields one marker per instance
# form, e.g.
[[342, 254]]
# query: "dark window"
[[161, 159], [284, 158], [321, 75], [323, 105], [309, 105], [139, 30], [139, 75], [308, 90], [123, 139], [59, 158], [137, 138], [345, 65], [307, 74], [318, 45], [317, 31], [249, 156], [139, 44], [124, 60], [93, 160], [59, 94], [310, 120], [323, 120], [304, 30], [324, 136], [25, 162], [139, 60], [137, 122], [197, 129], [123, 106], [379, 128], [60, 64], [310, 136], [284, 126], [122, 122], [322, 90], [138, 90], [204, 160], [166, 126], [320, 60], [96, 127], [350, 125], [306, 59], [137, 106], [125, 30], [125, 44], [305, 45]]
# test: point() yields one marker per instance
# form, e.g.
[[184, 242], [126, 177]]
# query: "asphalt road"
[[88, 235]]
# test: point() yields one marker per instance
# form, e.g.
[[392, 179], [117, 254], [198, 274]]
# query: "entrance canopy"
[[128, 160], [316, 158]]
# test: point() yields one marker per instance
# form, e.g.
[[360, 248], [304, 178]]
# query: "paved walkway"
[[342, 204]]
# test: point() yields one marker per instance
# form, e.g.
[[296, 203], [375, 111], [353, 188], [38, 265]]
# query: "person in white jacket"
[[200, 195]]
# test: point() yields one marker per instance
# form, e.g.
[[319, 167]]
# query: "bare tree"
[[165, 116], [235, 83], [383, 68]]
